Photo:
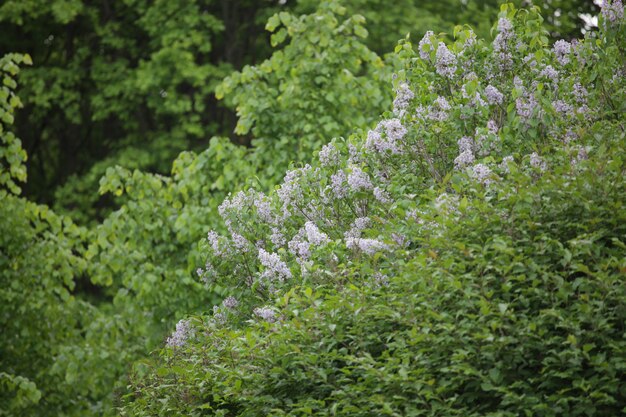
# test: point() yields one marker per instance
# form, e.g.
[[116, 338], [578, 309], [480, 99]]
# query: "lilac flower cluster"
[[525, 106], [504, 165], [580, 93], [426, 46], [338, 185], [466, 152], [180, 336], [213, 239], [240, 242], [404, 95], [494, 96], [446, 62], [329, 155], [290, 191], [230, 303], [232, 206], [562, 107], [357, 227], [359, 180], [482, 173], [438, 112], [369, 246], [394, 133], [207, 274], [275, 268], [612, 12], [382, 195], [314, 236], [264, 208], [502, 44], [277, 237], [464, 159], [550, 73], [537, 162], [562, 51], [265, 313], [299, 246]]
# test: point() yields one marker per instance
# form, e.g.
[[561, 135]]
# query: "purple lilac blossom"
[[580, 93], [359, 180], [357, 227], [180, 335], [369, 246], [466, 144], [464, 159], [275, 267], [562, 107], [230, 302], [382, 195], [504, 165], [404, 95], [612, 12], [525, 106], [494, 96], [329, 155], [426, 46], [265, 313], [277, 237], [263, 208], [550, 73], [338, 181], [446, 61], [501, 44], [299, 247], [537, 162], [562, 50], [314, 235], [240, 242], [482, 173], [213, 239]]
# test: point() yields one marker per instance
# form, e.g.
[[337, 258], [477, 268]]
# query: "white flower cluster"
[[180, 336], [359, 180], [387, 136], [265, 313], [404, 95], [275, 268], [369, 246], [446, 62]]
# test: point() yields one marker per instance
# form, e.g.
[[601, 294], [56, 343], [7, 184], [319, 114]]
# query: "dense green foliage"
[[372, 278], [465, 257]]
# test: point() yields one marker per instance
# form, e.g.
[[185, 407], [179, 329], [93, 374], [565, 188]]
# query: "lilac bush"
[[434, 255]]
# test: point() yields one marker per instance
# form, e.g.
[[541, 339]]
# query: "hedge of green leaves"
[[466, 256]]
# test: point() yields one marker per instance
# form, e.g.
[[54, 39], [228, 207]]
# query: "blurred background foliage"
[[136, 118]]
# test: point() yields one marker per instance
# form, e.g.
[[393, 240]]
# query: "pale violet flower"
[[230, 302], [369, 246], [314, 235], [426, 46], [482, 173], [265, 313], [494, 96], [359, 180], [181, 334], [446, 61], [275, 268], [562, 50]]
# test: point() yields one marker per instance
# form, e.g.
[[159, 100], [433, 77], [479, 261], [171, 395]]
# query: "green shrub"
[[466, 256]]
